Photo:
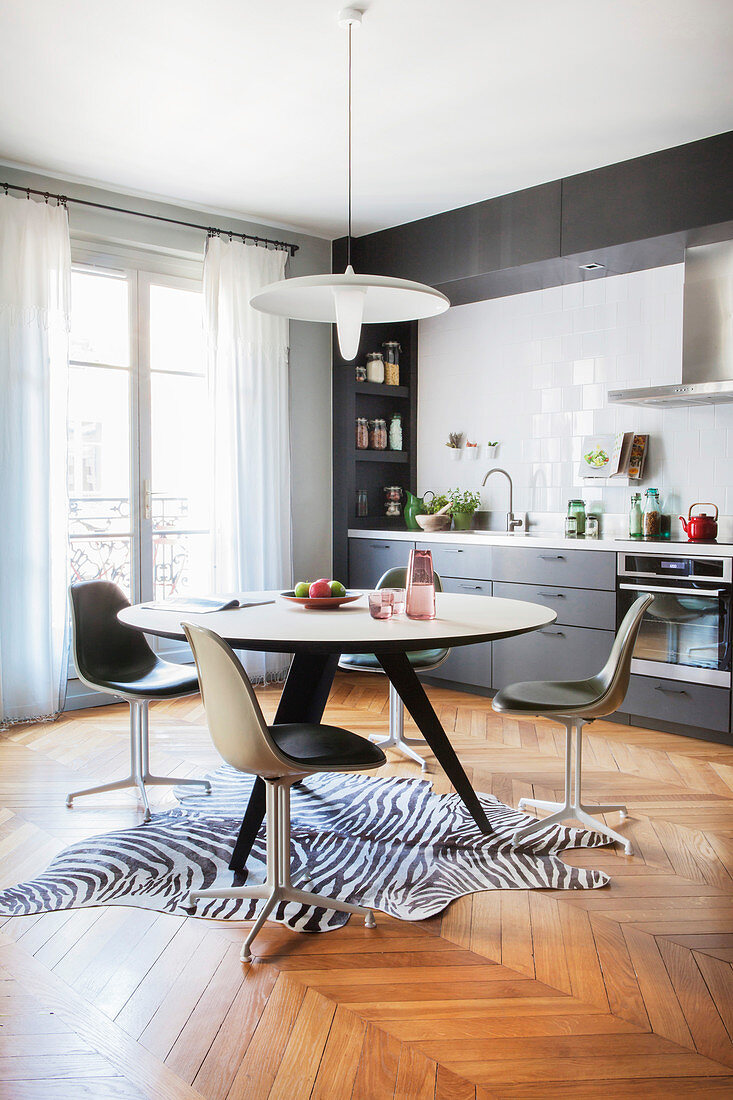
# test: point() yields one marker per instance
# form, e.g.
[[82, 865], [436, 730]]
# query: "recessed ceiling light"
[[592, 267]]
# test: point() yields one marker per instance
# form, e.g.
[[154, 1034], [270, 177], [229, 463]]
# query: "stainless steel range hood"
[[707, 335]]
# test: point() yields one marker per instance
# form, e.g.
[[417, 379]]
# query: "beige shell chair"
[[575, 703], [423, 660], [281, 755]]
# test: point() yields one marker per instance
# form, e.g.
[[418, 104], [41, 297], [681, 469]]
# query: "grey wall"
[[168, 248]]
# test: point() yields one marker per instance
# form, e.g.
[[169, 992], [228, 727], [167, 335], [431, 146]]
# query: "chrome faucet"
[[511, 522]]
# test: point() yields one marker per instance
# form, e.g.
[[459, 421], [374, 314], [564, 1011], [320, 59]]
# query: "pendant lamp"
[[350, 299]]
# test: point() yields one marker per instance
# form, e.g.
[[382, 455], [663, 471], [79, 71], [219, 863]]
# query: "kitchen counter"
[[550, 541]]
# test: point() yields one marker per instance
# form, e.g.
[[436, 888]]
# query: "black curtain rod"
[[210, 230]]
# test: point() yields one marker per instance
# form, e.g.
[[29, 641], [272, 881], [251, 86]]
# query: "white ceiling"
[[239, 105]]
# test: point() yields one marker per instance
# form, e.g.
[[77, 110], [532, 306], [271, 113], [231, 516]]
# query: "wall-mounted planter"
[[492, 449], [472, 452], [455, 453]]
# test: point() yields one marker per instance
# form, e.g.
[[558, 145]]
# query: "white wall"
[[533, 371], [162, 247]]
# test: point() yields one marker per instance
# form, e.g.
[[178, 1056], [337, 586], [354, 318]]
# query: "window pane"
[[99, 319], [176, 330], [181, 486]]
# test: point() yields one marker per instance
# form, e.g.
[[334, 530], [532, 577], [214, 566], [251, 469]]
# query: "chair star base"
[[278, 886], [572, 808], [140, 775], [397, 739]]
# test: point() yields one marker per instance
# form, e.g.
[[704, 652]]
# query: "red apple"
[[320, 588]]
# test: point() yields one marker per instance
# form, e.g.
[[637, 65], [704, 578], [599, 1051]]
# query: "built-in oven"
[[686, 633]]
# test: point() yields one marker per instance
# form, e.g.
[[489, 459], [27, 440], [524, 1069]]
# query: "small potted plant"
[[454, 444], [472, 449], [491, 449], [463, 505]]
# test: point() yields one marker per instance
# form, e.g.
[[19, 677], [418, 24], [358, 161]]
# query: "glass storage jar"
[[577, 508], [392, 362], [362, 502], [361, 375], [652, 516], [635, 524], [591, 527], [392, 500], [395, 432], [362, 433], [375, 367], [378, 434]]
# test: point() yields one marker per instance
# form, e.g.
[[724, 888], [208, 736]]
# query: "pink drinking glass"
[[420, 598], [381, 604]]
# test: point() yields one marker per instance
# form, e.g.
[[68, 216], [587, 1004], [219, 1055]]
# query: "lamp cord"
[[348, 235]]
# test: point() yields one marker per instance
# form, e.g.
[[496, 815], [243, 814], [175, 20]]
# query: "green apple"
[[337, 589], [301, 589]]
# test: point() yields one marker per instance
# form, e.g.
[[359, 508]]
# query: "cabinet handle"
[[473, 587], [552, 595], [670, 691], [552, 557], [380, 545], [554, 633], [450, 550]]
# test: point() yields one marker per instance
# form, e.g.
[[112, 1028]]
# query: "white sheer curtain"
[[35, 279], [248, 372]]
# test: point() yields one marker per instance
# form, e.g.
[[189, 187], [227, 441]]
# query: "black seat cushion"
[[325, 747], [546, 697], [115, 657]]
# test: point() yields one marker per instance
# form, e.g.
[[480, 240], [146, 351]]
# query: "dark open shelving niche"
[[371, 470]]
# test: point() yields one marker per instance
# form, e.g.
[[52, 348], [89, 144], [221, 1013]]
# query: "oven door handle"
[[653, 588]]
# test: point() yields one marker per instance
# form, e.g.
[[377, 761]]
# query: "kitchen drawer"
[[574, 606], [552, 653], [467, 664], [568, 568], [676, 701], [460, 561], [370, 558]]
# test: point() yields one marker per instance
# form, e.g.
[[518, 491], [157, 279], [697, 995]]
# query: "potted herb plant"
[[454, 444], [463, 505]]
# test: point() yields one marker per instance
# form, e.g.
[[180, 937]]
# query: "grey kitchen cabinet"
[[456, 560], [574, 606], [370, 558], [554, 652], [675, 701], [467, 664], [567, 568]]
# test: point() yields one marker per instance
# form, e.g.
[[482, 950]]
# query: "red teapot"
[[701, 528]]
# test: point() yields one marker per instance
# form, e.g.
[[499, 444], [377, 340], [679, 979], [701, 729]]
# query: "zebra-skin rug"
[[391, 844]]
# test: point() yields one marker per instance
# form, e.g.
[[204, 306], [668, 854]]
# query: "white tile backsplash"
[[533, 371]]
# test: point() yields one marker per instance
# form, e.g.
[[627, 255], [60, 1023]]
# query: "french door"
[[139, 468]]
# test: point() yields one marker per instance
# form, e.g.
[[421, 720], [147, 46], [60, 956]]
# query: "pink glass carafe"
[[420, 597]]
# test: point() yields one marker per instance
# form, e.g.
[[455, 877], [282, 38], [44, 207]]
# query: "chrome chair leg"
[[160, 780], [397, 739], [572, 807], [277, 886]]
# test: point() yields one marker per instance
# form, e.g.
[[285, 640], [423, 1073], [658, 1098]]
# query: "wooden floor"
[[611, 993]]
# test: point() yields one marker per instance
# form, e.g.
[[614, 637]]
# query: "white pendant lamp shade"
[[348, 300]]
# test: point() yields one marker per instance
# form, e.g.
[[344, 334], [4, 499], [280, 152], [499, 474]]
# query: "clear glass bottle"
[[635, 524], [362, 502], [652, 515], [420, 597], [577, 508], [395, 432]]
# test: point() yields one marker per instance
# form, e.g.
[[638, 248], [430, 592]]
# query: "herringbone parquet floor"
[[613, 993]]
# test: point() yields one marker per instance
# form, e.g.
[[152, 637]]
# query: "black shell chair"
[[116, 659], [575, 703], [423, 660]]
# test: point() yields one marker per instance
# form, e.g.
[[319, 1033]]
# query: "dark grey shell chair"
[[575, 703], [423, 660], [117, 660]]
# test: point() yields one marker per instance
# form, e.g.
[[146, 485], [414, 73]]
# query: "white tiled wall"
[[533, 370]]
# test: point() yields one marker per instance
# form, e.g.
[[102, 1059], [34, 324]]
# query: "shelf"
[[382, 456], [380, 389]]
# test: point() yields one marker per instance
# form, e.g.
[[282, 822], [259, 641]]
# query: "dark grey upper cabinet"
[[370, 558], [664, 193]]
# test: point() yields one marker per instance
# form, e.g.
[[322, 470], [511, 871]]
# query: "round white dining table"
[[317, 638]]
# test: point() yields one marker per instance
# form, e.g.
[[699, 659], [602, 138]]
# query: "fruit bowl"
[[322, 603]]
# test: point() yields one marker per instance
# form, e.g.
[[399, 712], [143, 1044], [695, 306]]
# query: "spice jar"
[[395, 432], [361, 375], [375, 367], [378, 435], [591, 527], [362, 433], [392, 362], [651, 519], [392, 500]]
